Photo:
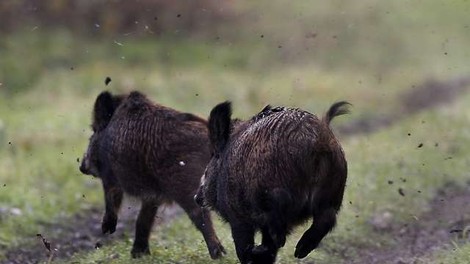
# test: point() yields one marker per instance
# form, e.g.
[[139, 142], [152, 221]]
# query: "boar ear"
[[103, 110], [266, 108], [117, 100], [219, 125]]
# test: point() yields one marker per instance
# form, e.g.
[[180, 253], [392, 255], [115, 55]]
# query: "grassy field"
[[307, 55]]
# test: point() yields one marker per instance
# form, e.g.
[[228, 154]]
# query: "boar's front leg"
[[143, 227], [201, 218], [113, 198], [324, 221], [243, 237]]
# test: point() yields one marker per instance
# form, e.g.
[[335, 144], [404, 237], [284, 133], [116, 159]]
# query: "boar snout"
[[85, 166], [198, 198]]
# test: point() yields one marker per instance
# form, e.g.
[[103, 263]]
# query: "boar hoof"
[[302, 250], [261, 254], [109, 225], [279, 240], [217, 251], [140, 252]]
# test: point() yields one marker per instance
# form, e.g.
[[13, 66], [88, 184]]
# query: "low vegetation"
[[376, 52]]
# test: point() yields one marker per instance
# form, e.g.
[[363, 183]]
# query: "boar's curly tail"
[[326, 139], [337, 109]]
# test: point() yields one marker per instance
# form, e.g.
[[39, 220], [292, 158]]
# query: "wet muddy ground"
[[81, 232], [429, 94], [447, 220]]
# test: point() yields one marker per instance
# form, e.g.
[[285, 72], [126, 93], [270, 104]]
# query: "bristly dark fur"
[[151, 152], [272, 172], [190, 117]]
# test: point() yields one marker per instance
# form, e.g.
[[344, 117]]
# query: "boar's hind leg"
[[323, 222], [275, 205], [202, 220], [281, 202], [143, 227], [267, 251]]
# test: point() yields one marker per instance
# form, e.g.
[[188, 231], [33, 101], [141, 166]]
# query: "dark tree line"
[[117, 16]]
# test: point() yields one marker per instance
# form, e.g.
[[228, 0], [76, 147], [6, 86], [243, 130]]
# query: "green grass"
[[367, 53], [456, 255], [395, 156]]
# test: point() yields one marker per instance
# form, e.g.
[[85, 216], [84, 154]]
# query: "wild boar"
[[152, 152], [271, 173]]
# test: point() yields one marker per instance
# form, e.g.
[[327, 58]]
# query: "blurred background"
[[403, 64]]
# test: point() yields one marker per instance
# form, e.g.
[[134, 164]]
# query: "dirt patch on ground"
[[430, 93], [81, 232], [447, 221]]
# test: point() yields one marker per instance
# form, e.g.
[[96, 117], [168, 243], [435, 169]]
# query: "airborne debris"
[[182, 163], [46, 243], [107, 80], [420, 145], [401, 192]]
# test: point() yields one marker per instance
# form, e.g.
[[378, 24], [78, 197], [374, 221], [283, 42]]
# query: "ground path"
[[446, 221]]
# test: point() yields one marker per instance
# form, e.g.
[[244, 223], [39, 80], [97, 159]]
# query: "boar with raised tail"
[[151, 152], [277, 170]]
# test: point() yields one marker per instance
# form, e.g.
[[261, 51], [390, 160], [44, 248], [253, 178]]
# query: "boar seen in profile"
[[151, 152]]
